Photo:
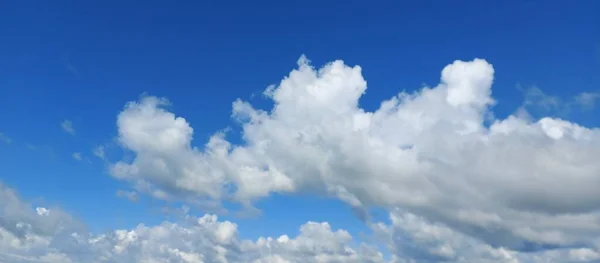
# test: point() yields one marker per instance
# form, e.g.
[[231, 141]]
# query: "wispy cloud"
[[67, 126], [537, 100], [99, 152], [5, 138], [129, 195], [587, 100], [77, 156]]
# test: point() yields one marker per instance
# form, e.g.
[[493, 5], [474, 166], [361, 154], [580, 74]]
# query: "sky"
[[310, 131]]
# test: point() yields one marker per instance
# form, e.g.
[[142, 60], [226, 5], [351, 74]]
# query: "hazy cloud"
[[67, 126]]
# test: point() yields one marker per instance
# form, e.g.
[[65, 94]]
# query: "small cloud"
[[31, 146], [129, 195], [67, 126], [99, 152], [537, 98], [587, 100], [42, 211], [77, 156], [5, 138]]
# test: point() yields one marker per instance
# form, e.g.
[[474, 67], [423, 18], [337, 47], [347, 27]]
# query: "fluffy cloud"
[[436, 153], [49, 235], [412, 238]]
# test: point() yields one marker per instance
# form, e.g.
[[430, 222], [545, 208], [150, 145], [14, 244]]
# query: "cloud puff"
[[513, 182], [67, 126]]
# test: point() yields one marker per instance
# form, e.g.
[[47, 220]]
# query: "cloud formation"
[[513, 182], [460, 185], [39, 234]]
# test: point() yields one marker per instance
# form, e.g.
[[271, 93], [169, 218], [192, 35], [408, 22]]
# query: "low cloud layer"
[[49, 235]]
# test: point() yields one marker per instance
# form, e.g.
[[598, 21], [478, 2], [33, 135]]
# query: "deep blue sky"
[[83, 60]]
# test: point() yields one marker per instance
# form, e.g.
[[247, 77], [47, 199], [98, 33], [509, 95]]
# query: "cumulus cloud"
[[44, 235], [67, 126], [515, 183], [77, 156]]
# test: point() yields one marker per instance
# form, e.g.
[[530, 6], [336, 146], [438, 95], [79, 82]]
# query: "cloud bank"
[[459, 184]]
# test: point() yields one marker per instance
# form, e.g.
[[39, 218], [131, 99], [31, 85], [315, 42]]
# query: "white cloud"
[[42, 211], [67, 126], [514, 182], [411, 237], [5, 139], [77, 156], [52, 236]]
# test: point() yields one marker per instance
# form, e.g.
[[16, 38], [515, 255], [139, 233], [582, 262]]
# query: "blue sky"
[[82, 61]]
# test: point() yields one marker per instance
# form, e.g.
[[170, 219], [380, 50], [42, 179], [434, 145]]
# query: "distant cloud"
[[587, 100], [99, 152], [77, 156], [537, 100], [129, 195], [536, 97], [5, 138], [67, 126]]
